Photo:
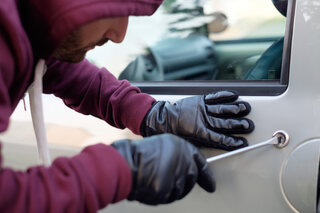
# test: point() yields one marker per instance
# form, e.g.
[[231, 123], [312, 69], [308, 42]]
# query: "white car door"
[[267, 179]]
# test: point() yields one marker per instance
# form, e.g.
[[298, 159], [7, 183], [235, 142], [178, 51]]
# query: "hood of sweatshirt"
[[33, 29], [48, 22]]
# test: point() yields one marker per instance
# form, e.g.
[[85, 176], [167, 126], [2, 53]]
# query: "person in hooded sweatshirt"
[[43, 44]]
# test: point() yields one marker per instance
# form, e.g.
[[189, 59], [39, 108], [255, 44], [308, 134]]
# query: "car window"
[[201, 40]]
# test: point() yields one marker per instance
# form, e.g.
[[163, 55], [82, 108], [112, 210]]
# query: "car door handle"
[[279, 139]]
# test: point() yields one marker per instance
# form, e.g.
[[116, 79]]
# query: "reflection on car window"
[[200, 40]]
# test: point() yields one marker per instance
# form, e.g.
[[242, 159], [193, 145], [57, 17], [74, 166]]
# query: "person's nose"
[[119, 30]]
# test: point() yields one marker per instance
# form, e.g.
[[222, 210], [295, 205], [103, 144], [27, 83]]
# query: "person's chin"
[[72, 58]]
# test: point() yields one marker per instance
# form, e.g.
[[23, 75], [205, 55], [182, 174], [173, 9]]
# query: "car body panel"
[[298, 179], [258, 181]]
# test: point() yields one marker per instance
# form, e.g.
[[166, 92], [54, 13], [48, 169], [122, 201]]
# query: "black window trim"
[[247, 88]]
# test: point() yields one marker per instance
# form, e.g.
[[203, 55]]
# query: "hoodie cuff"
[[107, 171], [134, 109]]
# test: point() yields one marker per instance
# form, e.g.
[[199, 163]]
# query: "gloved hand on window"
[[164, 168], [203, 120]]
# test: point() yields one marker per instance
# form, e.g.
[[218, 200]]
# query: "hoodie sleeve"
[[84, 183], [90, 90]]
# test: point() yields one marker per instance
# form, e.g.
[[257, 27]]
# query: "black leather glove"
[[164, 168], [203, 120]]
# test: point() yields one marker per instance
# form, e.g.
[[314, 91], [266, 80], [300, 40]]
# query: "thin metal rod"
[[271, 141]]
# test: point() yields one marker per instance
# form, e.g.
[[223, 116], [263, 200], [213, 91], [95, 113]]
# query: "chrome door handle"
[[279, 139]]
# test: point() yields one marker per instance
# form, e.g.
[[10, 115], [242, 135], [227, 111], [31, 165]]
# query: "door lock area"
[[280, 139], [283, 139]]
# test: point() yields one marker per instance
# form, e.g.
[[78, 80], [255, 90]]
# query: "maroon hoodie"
[[30, 30]]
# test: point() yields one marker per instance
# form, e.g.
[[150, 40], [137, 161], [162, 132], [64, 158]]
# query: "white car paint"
[[270, 179]]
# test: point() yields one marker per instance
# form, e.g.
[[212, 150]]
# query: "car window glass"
[[199, 40]]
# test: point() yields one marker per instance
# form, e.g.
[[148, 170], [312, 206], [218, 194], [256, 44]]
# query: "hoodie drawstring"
[[35, 97]]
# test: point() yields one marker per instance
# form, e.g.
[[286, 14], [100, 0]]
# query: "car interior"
[[198, 57]]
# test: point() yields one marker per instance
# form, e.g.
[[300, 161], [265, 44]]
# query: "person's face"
[[75, 46]]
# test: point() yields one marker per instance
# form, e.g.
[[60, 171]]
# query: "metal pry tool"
[[279, 139]]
